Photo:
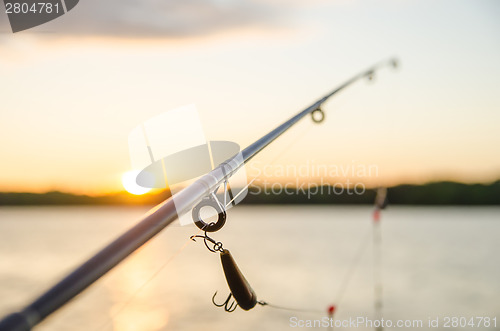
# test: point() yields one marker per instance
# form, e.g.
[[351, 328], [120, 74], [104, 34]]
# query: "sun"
[[129, 183]]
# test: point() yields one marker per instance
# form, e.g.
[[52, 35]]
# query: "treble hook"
[[227, 307]]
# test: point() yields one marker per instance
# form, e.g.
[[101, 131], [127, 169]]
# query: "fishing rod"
[[157, 219]]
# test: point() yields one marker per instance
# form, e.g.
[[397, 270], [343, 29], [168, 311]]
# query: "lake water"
[[436, 262]]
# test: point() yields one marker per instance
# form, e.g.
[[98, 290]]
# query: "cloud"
[[163, 18]]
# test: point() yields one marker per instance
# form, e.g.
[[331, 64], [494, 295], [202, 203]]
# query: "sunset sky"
[[74, 88]]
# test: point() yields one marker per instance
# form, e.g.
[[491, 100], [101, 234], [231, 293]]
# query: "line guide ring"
[[321, 114], [212, 202]]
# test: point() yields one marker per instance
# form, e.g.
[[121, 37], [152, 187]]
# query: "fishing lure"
[[243, 294]]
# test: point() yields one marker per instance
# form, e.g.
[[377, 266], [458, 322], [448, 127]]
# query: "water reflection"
[[443, 259], [135, 307]]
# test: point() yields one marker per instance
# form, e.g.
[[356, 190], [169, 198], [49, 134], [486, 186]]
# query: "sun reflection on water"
[[135, 307]]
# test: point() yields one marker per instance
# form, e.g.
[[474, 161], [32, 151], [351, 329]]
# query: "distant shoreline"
[[435, 193]]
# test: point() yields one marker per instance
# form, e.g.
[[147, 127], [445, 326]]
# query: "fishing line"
[[362, 247], [279, 155], [312, 311], [241, 191], [354, 265], [143, 285], [374, 232]]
